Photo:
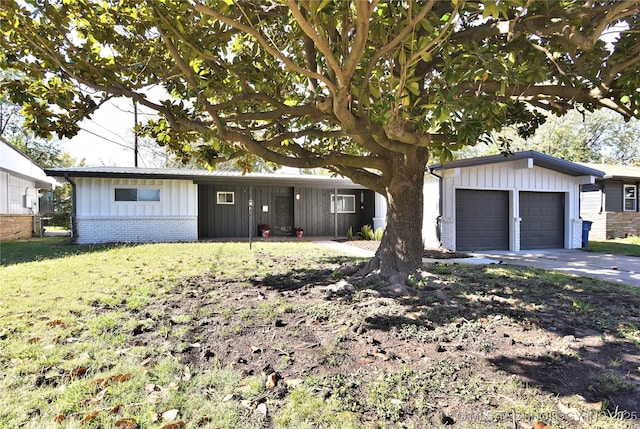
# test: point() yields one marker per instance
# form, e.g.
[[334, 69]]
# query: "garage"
[[482, 220], [521, 201], [542, 225]]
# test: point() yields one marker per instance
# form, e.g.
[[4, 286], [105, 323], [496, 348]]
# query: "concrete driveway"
[[613, 268]]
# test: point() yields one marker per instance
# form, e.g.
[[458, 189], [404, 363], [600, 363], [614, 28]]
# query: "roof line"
[[540, 159]]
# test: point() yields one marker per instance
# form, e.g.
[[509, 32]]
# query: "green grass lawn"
[[629, 246], [70, 316]]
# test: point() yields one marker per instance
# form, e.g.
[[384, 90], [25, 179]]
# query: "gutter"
[[439, 217], [74, 230]]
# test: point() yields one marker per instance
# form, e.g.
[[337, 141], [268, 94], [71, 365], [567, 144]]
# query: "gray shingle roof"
[[206, 176], [539, 159], [622, 172]]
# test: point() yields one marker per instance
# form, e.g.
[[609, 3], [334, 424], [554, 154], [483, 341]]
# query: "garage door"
[[482, 220], [542, 225]]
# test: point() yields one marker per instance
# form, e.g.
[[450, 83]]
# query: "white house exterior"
[[526, 201], [161, 210], [20, 182], [122, 204]]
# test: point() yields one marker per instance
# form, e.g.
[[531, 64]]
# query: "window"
[[134, 194], [630, 198], [225, 197], [346, 203]]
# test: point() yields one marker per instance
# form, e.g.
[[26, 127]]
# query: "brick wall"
[[621, 224], [576, 234], [448, 233], [610, 225], [137, 229], [14, 227]]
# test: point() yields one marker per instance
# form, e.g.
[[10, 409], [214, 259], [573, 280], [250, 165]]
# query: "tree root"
[[398, 281]]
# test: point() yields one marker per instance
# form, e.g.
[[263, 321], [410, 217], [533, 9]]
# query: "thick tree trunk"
[[401, 249]]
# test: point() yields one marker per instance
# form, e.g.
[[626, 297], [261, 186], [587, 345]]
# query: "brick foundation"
[[609, 225], [622, 224], [136, 229], [15, 227]]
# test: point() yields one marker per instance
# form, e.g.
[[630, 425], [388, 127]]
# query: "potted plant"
[[299, 232], [264, 230]]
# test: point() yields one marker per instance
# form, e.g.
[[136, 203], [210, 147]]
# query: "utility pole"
[[135, 133]]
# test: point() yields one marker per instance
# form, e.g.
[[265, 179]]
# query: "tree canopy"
[[367, 89]]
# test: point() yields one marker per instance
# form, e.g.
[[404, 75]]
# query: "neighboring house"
[[612, 203], [115, 204], [20, 182], [525, 201]]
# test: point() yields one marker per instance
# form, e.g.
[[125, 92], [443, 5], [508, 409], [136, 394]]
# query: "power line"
[[107, 130], [105, 138]]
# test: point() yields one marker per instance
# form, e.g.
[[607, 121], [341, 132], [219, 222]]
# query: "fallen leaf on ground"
[[88, 417], [126, 423], [119, 378], [272, 380], [170, 415], [77, 372]]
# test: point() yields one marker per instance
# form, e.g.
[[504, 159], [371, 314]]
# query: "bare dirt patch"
[[472, 343]]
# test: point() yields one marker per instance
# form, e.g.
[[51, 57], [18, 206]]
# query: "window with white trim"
[[137, 194], [346, 203], [224, 197], [630, 198]]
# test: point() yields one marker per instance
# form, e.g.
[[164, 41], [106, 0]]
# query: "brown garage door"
[[542, 225], [482, 220]]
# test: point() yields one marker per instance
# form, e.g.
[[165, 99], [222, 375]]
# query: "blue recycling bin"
[[586, 227]]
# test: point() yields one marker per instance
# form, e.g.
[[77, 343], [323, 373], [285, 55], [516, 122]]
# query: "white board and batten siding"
[[514, 177], [102, 219]]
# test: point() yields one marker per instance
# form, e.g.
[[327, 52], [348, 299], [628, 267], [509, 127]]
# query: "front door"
[[283, 215]]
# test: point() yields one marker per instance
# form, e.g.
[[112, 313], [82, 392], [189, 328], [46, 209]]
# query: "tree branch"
[[395, 42], [364, 10], [322, 45], [276, 53]]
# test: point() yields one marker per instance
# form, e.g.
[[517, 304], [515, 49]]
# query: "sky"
[[107, 138]]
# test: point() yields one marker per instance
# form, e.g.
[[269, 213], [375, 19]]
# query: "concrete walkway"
[[612, 268]]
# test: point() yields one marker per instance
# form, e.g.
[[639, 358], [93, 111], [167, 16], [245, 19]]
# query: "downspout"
[[74, 232], [439, 217], [28, 200]]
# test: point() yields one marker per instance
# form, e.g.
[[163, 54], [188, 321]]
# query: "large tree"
[[368, 89]]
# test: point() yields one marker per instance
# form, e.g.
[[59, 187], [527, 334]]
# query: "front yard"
[[214, 335]]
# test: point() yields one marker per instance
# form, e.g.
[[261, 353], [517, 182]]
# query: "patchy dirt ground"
[[473, 342]]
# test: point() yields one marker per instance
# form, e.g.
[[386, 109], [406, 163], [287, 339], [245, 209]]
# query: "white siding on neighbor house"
[[101, 219], [591, 202], [13, 190], [514, 177]]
